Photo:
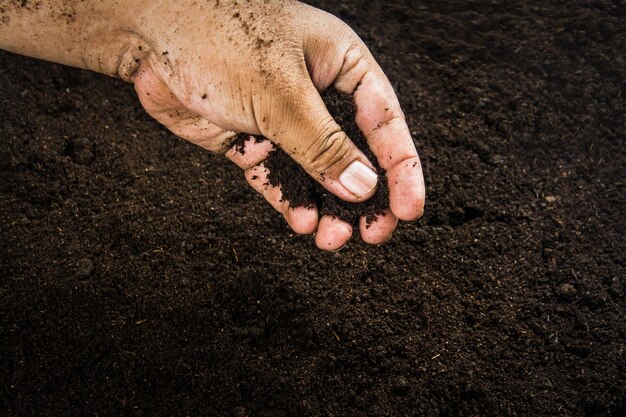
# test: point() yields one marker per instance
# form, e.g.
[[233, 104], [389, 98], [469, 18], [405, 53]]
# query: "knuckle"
[[354, 53], [219, 143], [202, 134], [131, 50], [329, 151], [354, 57]]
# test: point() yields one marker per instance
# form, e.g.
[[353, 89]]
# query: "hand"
[[258, 69], [208, 69]]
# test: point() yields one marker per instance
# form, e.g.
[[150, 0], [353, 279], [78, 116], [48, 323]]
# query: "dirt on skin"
[[140, 275]]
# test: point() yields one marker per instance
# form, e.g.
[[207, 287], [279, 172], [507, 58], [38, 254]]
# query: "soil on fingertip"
[[301, 190]]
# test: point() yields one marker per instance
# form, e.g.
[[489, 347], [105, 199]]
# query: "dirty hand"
[[208, 69]]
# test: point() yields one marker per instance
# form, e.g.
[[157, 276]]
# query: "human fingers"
[[332, 233], [336, 56], [302, 220], [301, 125], [378, 230]]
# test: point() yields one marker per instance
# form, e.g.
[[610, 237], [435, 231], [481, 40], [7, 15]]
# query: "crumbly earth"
[[140, 275], [300, 190]]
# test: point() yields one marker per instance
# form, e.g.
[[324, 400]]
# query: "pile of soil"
[[301, 190], [138, 274]]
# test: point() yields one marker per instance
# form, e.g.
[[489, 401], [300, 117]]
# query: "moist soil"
[[140, 275]]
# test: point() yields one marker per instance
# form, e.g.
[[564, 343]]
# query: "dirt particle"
[[239, 142], [80, 150], [566, 291], [400, 386], [240, 412], [84, 268]]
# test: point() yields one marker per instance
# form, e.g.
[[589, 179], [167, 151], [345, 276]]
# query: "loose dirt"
[[140, 275]]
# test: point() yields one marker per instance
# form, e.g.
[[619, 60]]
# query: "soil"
[[140, 276], [301, 190]]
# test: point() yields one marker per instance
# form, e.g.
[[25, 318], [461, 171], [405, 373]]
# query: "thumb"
[[305, 130]]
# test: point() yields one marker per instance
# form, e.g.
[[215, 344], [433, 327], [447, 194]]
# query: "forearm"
[[91, 34]]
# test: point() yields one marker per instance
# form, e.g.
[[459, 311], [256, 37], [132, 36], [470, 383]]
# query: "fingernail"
[[358, 178]]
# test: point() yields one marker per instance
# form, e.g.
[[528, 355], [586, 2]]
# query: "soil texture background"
[[140, 275]]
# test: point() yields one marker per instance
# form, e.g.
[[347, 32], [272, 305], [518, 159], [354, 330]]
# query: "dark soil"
[[300, 190], [139, 275]]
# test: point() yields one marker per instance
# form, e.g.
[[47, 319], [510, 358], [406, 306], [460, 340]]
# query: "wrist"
[[90, 34], [116, 45], [116, 52]]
